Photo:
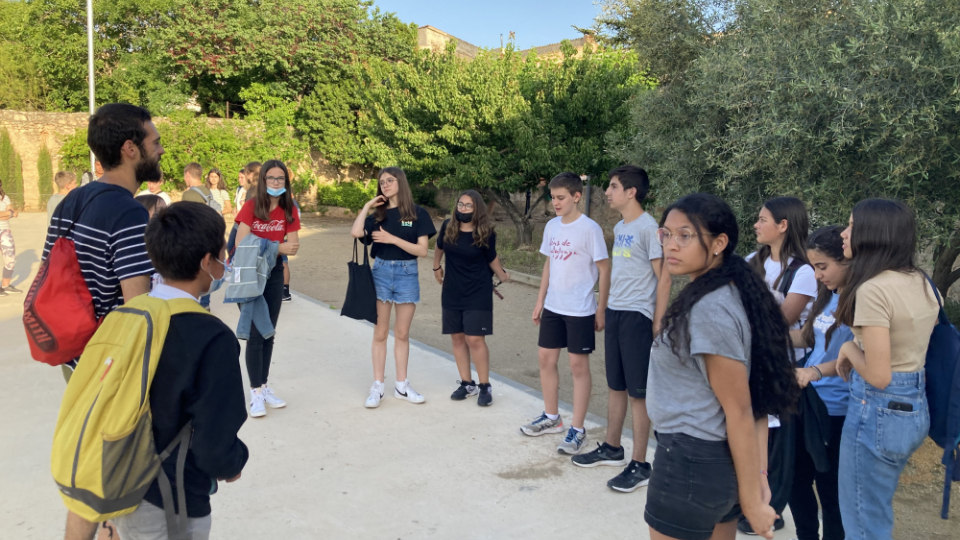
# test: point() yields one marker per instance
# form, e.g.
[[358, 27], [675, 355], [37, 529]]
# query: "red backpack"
[[58, 312]]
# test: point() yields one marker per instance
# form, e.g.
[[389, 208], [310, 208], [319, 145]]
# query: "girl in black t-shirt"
[[398, 230], [471, 248]]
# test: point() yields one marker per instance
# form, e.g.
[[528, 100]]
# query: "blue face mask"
[[217, 283], [276, 192]]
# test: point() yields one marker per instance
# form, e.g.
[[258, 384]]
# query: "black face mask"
[[464, 218]]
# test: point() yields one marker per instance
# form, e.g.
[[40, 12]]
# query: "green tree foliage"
[[226, 145], [350, 195], [11, 170], [832, 101], [502, 124], [45, 178], [159, 53]]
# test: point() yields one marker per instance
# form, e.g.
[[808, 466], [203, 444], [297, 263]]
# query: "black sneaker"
[[485, 398], [603, 455], [467, 388], [287, 297], [12, 290], [634, 476], [745, 528], [3, 293]]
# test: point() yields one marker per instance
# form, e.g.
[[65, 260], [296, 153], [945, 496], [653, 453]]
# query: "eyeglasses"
[[387, 181], [464, 206], [683, 237], [275, 179]]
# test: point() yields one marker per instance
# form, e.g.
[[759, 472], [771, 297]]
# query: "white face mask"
[[215, 283]]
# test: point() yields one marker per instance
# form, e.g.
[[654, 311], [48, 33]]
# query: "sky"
[[536, 22]]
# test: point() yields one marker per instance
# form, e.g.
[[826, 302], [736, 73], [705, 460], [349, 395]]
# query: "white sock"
[[552, 416], [579, 429], [401, 386]]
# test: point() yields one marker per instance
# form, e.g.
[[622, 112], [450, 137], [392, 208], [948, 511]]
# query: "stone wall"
[[29, 131]]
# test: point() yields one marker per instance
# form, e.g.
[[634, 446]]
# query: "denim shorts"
[[879, 436], [396, 281], [693, 487]]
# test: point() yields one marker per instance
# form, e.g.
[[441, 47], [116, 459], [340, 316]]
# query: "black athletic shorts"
[[471, 322], [627, 340], [693, 487], [574, 333]]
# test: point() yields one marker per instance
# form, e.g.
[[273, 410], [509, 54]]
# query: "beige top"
[[904, 303]]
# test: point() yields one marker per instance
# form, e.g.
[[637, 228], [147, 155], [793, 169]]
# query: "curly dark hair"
[[826, 240], [773, 384]]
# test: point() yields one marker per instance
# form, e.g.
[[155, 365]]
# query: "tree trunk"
[[521, 220], [944, 257]]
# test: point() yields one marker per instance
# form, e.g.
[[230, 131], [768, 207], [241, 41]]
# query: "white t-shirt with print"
[[804, 282], [574, 249]]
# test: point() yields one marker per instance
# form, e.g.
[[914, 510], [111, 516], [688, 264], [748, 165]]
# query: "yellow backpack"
[[104, 457]]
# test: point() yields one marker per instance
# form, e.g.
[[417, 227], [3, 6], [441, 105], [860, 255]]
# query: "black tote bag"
[[361, 300]]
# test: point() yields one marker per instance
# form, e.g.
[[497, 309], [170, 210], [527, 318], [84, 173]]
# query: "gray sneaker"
[[543, 425], [573, 442]]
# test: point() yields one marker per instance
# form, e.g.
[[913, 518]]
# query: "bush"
[[45, 180], [11, 170], [225, 144], [349, 195], [425, 196]]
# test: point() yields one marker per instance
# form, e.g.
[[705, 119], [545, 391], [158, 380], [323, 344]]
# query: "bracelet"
[[435, 269], [763, 472], [820, 373]]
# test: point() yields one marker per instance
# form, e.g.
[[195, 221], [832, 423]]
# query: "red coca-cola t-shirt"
[[275, 229]]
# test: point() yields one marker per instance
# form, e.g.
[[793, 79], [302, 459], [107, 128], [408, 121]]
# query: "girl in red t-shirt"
[[273, 216]]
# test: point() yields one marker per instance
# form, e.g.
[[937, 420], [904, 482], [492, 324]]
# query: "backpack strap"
[[786, 280], [176, 517], [76, 216]]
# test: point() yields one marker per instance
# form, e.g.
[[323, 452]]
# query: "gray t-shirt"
[[633, 284], [679, 396], [52, 206]]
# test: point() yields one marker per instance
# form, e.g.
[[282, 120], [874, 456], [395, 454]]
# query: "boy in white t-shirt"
[[567, 310]]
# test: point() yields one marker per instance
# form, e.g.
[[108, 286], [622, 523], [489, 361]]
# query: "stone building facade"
[[30, 131]]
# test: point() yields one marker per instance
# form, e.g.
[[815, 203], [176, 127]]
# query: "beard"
[[148, 170]]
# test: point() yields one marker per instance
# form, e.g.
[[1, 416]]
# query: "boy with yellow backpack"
[[148, 424]]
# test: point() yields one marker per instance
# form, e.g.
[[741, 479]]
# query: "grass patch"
[[524, 259]]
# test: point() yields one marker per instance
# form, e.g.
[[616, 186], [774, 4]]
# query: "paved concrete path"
[[326, 467]]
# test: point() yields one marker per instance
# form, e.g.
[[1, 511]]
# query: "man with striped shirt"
[[106, 224], [102, 218]]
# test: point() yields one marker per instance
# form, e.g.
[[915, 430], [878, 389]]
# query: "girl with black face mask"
[[470, 245]]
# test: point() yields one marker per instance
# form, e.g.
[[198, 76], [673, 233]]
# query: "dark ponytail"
[[773, 384], [826, 240]]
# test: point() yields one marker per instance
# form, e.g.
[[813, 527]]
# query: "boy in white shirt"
[[567, 310]]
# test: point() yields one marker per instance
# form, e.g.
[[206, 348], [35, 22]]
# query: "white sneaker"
[[256, 404], [408, 394], [376, 394], [271, 400]]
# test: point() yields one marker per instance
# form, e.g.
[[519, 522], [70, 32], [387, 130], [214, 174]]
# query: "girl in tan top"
[[892, 309]]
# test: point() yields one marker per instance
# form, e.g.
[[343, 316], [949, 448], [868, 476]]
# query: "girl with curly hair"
[[825, 253], [719, 367]]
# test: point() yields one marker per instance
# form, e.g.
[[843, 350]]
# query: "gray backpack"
[[211, 202]]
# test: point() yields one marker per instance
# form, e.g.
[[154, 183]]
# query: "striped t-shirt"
[[108, 236]]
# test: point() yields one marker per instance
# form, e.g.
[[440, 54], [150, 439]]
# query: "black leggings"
[[803, 502], [259, 350]]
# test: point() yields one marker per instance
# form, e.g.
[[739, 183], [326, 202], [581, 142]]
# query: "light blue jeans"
[[877, 442]]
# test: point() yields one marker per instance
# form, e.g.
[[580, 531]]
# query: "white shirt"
[[574, 249], [166, 292], [162, 195]]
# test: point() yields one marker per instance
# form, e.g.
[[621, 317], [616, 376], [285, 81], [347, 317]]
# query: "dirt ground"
[[319, 271]]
